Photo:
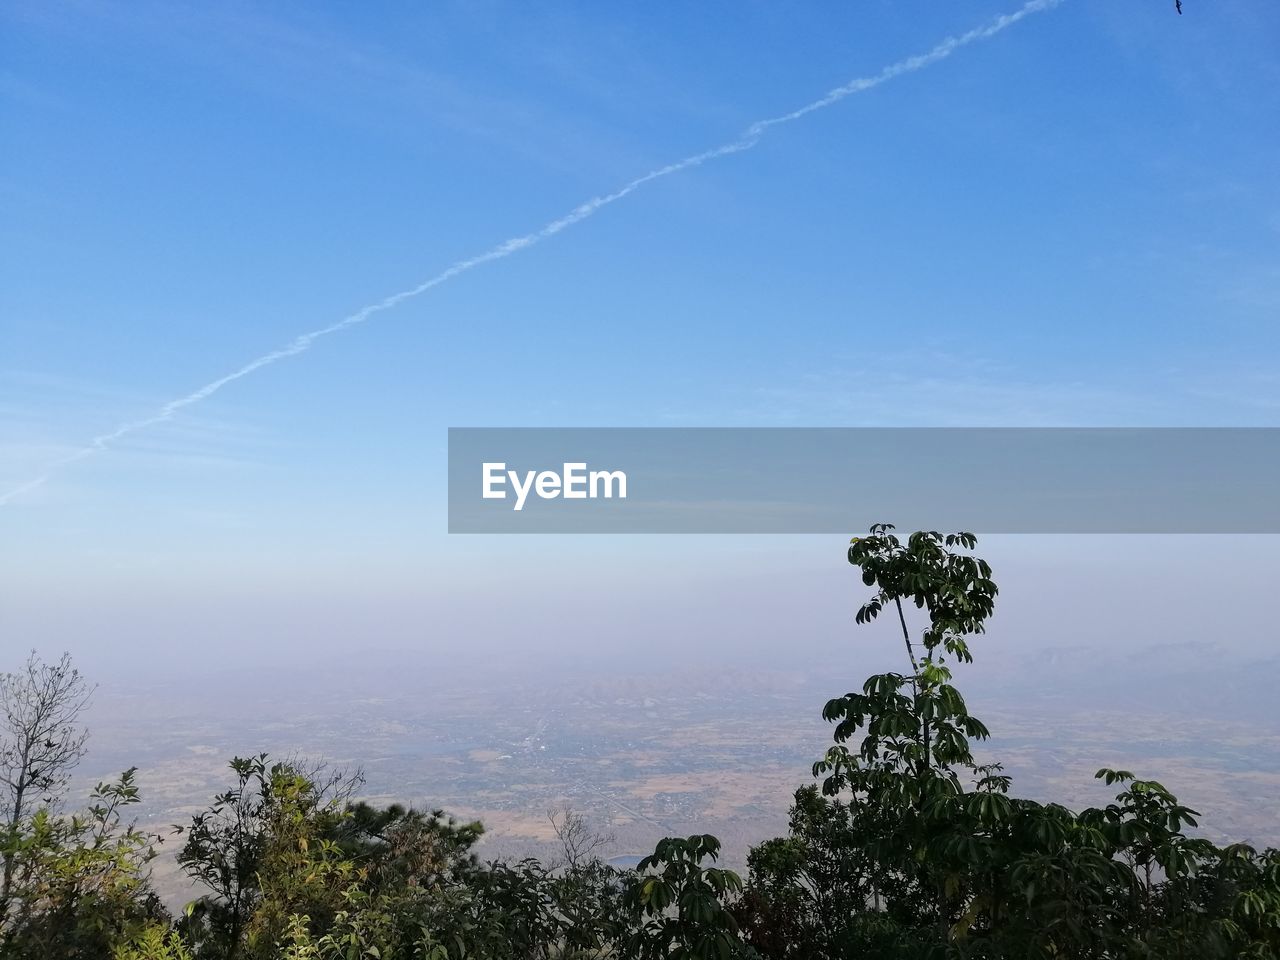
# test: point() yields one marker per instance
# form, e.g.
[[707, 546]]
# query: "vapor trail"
[[748, 139]]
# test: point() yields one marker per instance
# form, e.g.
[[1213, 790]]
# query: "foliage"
[[156, 941], [681, 902], [79, 883], [925, 853], [41, 741]]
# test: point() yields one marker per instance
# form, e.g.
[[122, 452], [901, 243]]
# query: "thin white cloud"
[[749, 138]]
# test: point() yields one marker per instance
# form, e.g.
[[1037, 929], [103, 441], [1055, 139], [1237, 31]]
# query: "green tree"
[[680, 904], [41, 741], [79, 881], [931, 855], [268, 847]]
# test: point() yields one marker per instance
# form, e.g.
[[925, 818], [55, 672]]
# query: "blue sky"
[[1074, 222]]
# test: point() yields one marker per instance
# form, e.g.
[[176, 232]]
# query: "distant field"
[[644, 757]]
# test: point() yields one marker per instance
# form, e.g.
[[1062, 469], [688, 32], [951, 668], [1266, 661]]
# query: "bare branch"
[[578, 842], [41, 741]]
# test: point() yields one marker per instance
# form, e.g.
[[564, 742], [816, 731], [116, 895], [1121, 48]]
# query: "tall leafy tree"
[[933, 857]]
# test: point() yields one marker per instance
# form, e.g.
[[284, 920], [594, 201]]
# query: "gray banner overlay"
[[841, 480]]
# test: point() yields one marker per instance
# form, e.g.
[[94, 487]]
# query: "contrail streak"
[[749, 138]]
